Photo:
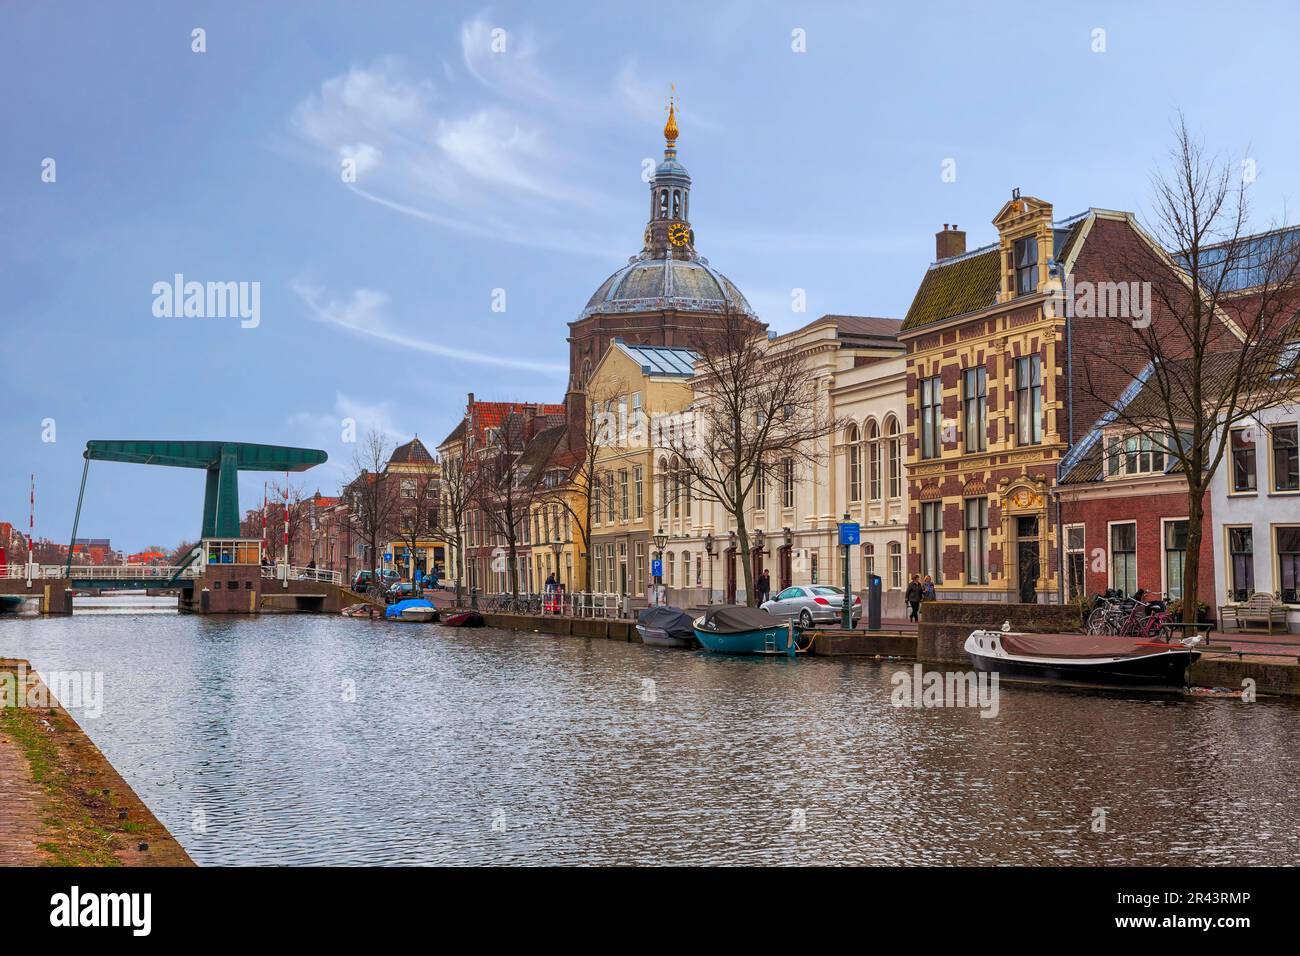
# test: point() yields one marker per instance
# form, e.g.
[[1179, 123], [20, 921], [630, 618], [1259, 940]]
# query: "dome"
[[651, 285], [672, 168]]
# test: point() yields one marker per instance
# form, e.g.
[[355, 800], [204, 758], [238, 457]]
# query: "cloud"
[[482, 170], [364, 313]]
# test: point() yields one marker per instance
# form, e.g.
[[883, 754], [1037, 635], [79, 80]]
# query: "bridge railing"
[[99, 572], [275, 572]]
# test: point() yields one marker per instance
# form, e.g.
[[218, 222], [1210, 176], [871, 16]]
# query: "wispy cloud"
[[422, 149], [364, 313]]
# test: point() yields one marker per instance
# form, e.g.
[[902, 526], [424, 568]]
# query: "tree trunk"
[[1192, 565]]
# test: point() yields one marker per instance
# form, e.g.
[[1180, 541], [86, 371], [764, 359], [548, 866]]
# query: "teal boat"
[[749, 630]]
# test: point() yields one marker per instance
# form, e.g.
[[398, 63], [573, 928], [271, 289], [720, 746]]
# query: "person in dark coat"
[[763, 586], [913, 597]]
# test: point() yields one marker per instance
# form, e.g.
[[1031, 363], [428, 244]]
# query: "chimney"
[[949, 242]]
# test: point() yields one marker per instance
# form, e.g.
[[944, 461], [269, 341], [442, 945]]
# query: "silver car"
[[811, 604]]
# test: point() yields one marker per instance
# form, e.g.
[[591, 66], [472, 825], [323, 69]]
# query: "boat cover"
[[395, 610], [673, 621], [1082, 645], [738, 620]]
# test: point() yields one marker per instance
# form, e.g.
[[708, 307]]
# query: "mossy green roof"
[[956, 287]]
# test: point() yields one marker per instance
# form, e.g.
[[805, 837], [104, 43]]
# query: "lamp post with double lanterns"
[[708, 549]]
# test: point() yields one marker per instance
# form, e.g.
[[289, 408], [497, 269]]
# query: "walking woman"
[[913, 597]]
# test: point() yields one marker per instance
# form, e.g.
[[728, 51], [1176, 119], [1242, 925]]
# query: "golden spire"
[[670, 128]]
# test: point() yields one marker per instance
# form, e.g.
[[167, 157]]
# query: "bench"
[[1261, 607]]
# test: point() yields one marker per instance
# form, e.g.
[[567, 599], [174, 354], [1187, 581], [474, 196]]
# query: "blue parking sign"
[[656, 568], [850, 533]]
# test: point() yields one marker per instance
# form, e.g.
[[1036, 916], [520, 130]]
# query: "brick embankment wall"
[[1224, 671], [859, 644], [54, 595], [609, 628], [70, 807], [945, 625]]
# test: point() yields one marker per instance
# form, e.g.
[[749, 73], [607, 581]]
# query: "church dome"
[[668, 274], [653, 284]]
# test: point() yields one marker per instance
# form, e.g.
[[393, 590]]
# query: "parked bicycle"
[[1117, 616]]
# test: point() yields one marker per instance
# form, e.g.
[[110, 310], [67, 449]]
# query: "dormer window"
[[1025, 254], [1138, 455]]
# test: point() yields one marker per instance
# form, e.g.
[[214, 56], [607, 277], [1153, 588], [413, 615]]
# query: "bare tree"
[[418, 517], [457, 497], [508, 489], [288, 497], [1222, 303], [756, 409], [577, 495], [372, 506]]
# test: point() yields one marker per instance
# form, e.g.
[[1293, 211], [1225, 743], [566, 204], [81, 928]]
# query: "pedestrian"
[[764, 586], [550, 581], [927, 587], [913, 597]]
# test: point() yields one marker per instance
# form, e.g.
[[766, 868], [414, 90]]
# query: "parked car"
[[811, 604], [400, 591], [364, 579]]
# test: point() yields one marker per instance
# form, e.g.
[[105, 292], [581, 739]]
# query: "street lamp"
[[708, 549], [660, 542], [848, 530], [557, 545]]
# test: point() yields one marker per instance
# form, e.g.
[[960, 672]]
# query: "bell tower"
[[669, 235]]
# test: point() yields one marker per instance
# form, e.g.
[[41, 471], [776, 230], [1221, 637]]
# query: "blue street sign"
[[388, 555], [656, 568], [849, 532]]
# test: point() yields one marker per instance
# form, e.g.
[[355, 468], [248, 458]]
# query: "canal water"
[[324, 740]]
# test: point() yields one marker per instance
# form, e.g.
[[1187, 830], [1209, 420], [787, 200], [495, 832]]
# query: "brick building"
[[1003, 375]]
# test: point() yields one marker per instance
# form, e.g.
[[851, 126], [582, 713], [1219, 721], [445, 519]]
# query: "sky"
[[498, 155]]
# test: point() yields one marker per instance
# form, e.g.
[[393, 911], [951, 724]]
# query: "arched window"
[[677, 204], [663, 487], [663, 204], [668, 567], [895, 457], [895, 566], [873, 459], [868, 564], [686, 569], [853, 448]]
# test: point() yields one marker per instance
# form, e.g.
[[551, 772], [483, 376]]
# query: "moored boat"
[[362, 610], [1082, 658], [464, 619], [748, 630], [415, 609], [665, 627]]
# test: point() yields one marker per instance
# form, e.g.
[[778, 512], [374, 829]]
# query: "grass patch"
[[71, 837]]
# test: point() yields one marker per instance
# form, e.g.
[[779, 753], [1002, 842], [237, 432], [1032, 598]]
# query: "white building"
[[859, 366], [1255, 508]]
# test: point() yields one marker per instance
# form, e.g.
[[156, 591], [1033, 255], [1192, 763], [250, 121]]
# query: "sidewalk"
[[20, 810]]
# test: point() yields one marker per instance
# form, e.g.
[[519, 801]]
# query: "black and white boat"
[[665, 627], [1083, 658]]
